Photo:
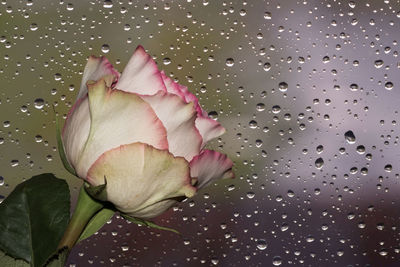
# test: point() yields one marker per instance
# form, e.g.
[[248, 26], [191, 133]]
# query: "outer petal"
[[141, 75], [155, 209], [76, 130], [209, 166], [208, 128], [118, 118], [179, 119], [95, 68], [140, 176]]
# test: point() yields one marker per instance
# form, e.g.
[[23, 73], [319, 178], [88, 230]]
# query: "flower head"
[[144, 134]]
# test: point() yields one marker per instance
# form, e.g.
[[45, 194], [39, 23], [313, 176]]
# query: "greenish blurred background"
[[287, 79]]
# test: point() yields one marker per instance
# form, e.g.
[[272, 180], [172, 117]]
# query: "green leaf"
[[57, 259], [33, 218], [96, 222], [148, 223], [98, 192], [8, 261], [61, 150]]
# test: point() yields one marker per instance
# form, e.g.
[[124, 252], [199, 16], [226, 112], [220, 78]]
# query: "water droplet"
[[353, 87], [388, 168], [105, 48], [213, 115], [350, 137], [267, 66], [276, 261], [38, 138], [261, 244], [253, 124], [166, 61], [389, 86], [70, 7], [39, 103], [260, 107], [57, 76], [250, 195], [283, 86], [267, 15], [276, 109], [310, 239], [360, 149], [107, 4], [33, 27], [378, 63], [319, 163], [230, 62], [14, 163]]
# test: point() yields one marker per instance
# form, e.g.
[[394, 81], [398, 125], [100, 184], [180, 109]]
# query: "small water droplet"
[[105, 48]]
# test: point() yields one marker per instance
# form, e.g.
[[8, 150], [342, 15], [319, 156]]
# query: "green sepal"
[[58, 259], [33, 218], [98, 192], [148, 223], [60, 147], [96, 222]]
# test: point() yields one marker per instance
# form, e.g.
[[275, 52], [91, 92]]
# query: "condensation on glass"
[[307, 90]]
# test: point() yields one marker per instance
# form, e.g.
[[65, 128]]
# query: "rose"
[[141, 134]]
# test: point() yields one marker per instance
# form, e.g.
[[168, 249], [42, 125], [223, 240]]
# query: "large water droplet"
[[261, 244], [39, 103], [230, 62], [105, 48], [350, 137]]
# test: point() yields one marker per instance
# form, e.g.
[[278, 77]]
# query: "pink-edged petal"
[[76, 130], [172, 87], [209, 129], [209, 166], [179, 120], [183, 92], [95, 68], [139, 176], [141, 75], [118, 118]]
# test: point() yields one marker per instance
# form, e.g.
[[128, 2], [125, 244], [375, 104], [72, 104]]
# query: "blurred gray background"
[[288, 79]]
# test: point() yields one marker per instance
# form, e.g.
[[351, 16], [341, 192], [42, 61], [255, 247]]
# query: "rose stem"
[[84, 211]]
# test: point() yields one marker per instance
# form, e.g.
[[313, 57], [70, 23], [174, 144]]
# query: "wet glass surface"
[[307, 90]]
